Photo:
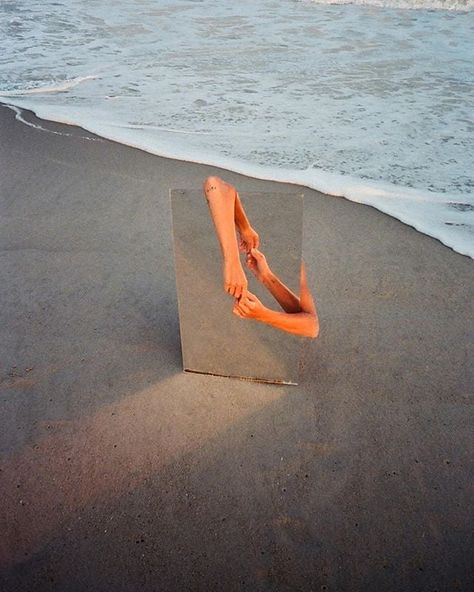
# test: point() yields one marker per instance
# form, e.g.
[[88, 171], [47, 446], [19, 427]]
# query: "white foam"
[[63, 86], [454, 5], [437, 215], [19, 117]]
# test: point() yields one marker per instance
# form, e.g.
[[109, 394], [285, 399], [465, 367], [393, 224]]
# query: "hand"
[[257, 263], [235, 280], [248, 307], [249, 239]]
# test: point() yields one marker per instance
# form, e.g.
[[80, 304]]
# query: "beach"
[[120, 472]]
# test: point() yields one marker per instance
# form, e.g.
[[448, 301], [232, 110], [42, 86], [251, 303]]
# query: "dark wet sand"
[[121, 473]]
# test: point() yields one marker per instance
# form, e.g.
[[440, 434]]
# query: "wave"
[[19, 117], [448, 219], [145, 127], [52, 88], [454, 5]]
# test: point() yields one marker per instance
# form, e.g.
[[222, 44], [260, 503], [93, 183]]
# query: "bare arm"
[[300, 316], [287, 299], [306, 298], [299, 323], [240, 217], [221, 201], [249, 239]]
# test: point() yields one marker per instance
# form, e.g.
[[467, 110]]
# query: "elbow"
[[307, 326], [212, 180], [313, 327], [211, 184]]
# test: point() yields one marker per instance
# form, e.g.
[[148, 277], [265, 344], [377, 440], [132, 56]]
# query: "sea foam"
[[45, 89], [455, 5]]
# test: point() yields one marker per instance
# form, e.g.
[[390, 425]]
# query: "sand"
[[119, 472]]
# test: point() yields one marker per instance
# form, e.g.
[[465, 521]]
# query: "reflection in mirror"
[[227, 274]]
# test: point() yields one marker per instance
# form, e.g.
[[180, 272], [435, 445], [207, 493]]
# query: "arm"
[[240, 218], [306, 298], [303, 321], [288, 300], [221, 201], [299, 323], [249, 239]]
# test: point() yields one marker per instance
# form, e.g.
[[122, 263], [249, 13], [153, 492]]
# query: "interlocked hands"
[[248, 307]]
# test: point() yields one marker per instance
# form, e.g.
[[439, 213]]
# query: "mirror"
[[213, 339]]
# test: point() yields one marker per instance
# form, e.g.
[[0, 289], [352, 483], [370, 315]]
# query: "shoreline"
[[401, 203], [119, 470]]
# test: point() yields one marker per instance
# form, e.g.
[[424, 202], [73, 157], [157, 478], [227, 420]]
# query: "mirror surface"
[[213, 339]]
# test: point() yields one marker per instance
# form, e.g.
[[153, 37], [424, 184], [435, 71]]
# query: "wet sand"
[[119, 472]]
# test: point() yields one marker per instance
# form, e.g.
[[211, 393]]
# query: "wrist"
[[243, 225], [263, 314]]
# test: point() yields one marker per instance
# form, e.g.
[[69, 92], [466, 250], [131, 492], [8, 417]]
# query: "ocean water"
[[371, 100]]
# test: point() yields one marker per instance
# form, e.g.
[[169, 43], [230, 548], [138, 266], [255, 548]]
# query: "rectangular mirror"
[[213, 339]]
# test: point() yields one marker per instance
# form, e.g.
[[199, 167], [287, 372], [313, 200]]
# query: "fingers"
[[231, 289], [250, 297], [240, 291], [243, 307], [257, 254], [236, 290], [246, 304], [237, 311], [249, 243]]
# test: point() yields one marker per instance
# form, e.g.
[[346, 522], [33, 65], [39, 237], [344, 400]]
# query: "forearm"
[[222, 207], [300, 323], [287, 299], [240, 217]]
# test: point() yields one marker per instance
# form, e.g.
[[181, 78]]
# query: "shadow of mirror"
[[213, 339]]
